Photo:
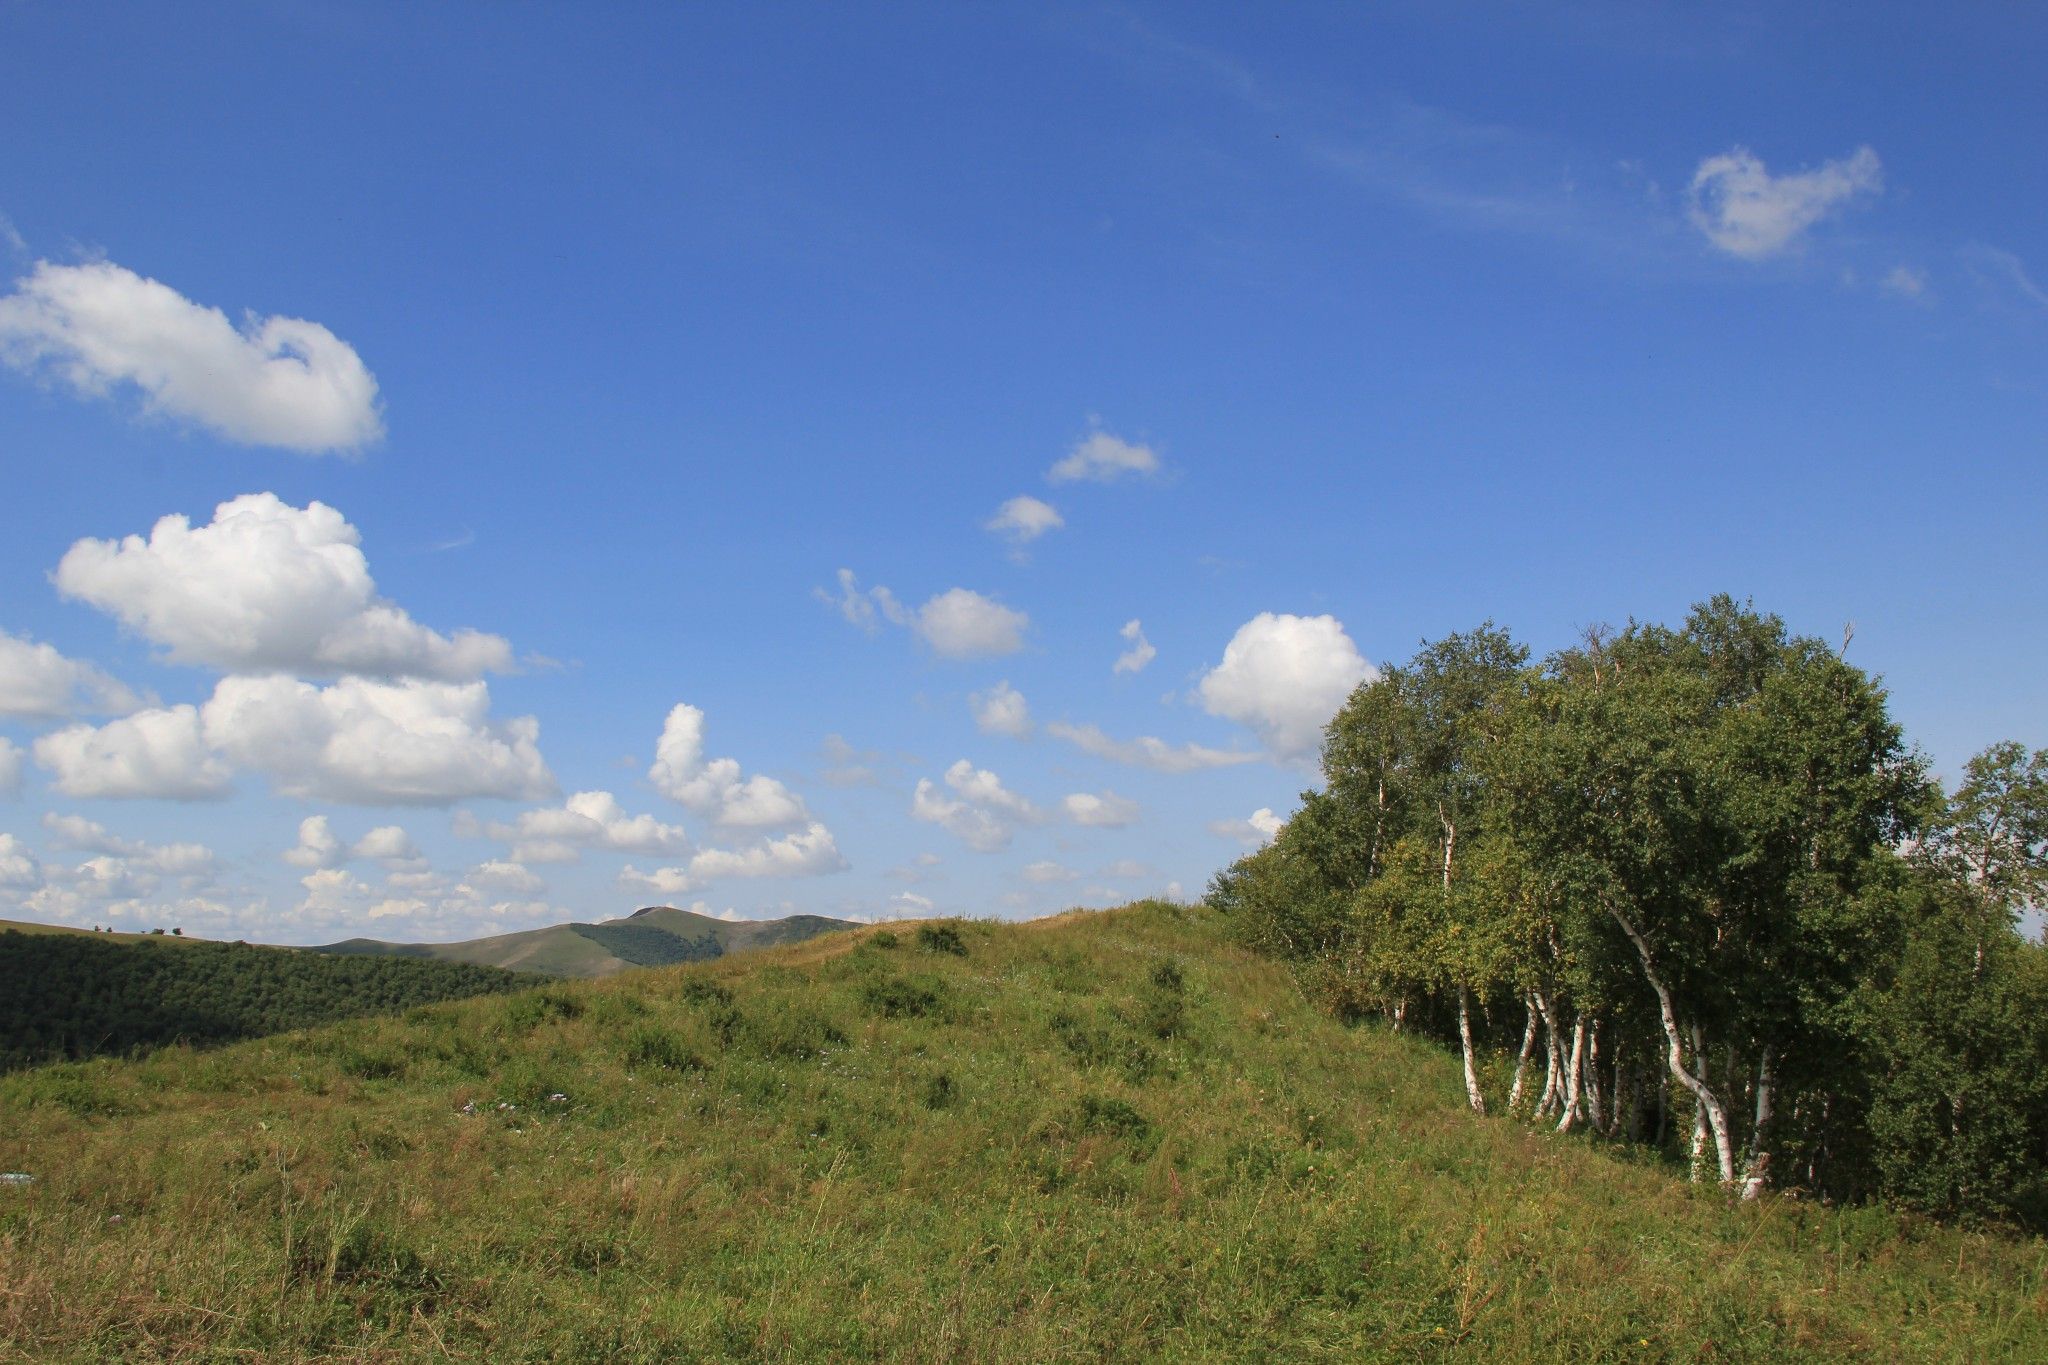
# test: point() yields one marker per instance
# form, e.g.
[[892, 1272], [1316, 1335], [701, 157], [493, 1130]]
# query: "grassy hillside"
[[1107, 1135], [657, 936], [76, 995]]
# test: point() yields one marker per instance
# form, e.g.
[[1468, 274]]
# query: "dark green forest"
[[71, 996], [1691, 890]]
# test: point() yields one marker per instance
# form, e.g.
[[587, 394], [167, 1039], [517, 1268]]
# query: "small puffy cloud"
[[660, 881], [38, 683], [19, 868], [958, 623], [981, 812], [1747, 212], [1046, 872], [864, 607], [1024, 519], [587, 820], [274, 381], [499, 875], [317, 846], [266, 586], [1104, 810], [1102, 458], [1284, 677], [1904, 282], [161, 753], [808, 852], [89, 836], [962, 624], [386, 844], [1140, 653], [1001, 710], [332, 891], [715, 788], [375, 743], [10, 768], [1260, 827], [1146, 751], [1124, 868], [910, 905]]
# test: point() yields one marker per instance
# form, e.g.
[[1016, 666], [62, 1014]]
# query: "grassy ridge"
[[1104, 1135]]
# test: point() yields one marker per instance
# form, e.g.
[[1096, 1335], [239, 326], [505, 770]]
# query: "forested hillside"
[[69, 996], [1689, 889]]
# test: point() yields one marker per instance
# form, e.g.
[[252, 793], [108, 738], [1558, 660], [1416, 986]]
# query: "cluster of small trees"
[[1689, 887], [69, 996]]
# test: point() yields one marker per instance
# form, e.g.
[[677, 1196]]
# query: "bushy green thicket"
[[68, 997], [1686, 887]]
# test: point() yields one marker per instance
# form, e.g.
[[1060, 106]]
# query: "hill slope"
[[1107, 1135], [657, 936]]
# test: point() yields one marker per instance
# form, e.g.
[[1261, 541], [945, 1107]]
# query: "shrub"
[[941, 938], [898, 998]]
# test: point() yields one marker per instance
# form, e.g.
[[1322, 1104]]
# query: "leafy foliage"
[[1695, 874], [70, 996]]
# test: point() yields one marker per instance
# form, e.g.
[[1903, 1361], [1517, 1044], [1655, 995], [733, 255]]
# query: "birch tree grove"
[[1688, 887]]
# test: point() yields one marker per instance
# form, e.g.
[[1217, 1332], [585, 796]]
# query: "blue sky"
[[612, 338]]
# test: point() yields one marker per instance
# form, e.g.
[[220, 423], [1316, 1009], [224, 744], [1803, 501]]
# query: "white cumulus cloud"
[[587, 820], [317, 846], [20, 870], [10, 768], [1746, 211], [958, 623], [273, 381], [161, 753], [1260, 827], [980, 812], [1001, 710], [715, 788], [363, 742], [1284, 677], [962, 624], [1140, 653], [500, 875], [38, 683], [267, 586], [808, 852], [1102, 458], [1104, 810], [1146, 751], [1024, 519], [386, 844], [89, 836]]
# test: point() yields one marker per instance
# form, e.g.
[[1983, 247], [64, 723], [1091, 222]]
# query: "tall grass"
[[1105, 1136]]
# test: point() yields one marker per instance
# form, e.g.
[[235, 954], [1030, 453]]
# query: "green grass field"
[[1103, 1136]]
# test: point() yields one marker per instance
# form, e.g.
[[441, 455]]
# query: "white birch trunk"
[[1574, 1072], [1522, 1061], [1712, 1111], [1757, 1172], [1472, 1091], [1596, 1114]]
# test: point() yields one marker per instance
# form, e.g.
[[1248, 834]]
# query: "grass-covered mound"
[[72, 996], [1103, 1136]]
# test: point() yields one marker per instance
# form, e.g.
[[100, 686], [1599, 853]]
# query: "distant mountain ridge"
[[652, 936]]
